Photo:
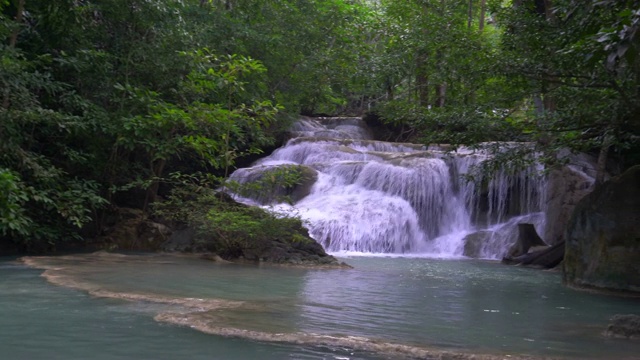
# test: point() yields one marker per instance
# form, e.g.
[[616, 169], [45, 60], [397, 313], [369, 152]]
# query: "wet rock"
[[603, 237], [527, 238], [530, 250], [268, 184], [566, 187], [474, 242], [307, 253], [180, 240], [624, 326], [543, 257], [132, 230], [150, 232]]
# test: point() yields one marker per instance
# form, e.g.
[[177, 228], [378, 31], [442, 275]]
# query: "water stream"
[[379, 197]]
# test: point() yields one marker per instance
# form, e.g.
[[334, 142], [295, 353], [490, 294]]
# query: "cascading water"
[[380, 197]]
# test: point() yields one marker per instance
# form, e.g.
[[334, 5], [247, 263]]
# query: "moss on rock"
[[603, 237]]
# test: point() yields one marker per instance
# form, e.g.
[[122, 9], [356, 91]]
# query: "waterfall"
[[393, 198]]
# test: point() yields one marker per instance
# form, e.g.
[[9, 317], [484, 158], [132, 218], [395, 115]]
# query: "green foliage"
[[12, 217], [561, 77], [581, 65], [439, 74], [42, 202], [100, 99]]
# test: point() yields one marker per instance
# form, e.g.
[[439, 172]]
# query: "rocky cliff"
[[603, 237]]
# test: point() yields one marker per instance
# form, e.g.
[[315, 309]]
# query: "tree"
[[583, 58], [42, 202]]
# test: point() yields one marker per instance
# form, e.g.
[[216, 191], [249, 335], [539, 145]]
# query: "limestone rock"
[[543, 257], [527, 238], [268, 187], [566, 187], [531, 250], [182, 239], [131, 230], [624, 326], [150, 232], [474, 243], [603, 237], [308, 253]]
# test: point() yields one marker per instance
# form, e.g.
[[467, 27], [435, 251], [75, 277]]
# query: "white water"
[[386, 198]]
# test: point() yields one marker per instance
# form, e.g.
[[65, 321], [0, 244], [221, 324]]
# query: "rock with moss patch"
[[603, 237]]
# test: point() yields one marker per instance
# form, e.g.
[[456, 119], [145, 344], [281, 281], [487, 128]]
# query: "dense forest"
[[110, 103]]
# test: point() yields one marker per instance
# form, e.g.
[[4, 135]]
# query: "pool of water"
[[162, 306]]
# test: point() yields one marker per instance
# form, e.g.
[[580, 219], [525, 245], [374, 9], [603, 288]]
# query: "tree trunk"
[[422, 79], [441, 92], [483, 12], [601, 166], [14, 35], [13, 39], [422, 76], [389, 90], [441, 89], [470, 15], [157, 168]]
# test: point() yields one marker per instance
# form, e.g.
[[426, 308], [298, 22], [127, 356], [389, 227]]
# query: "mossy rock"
[[603, 237]]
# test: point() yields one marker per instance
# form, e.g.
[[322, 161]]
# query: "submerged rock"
[[624, 326], [603, 237]]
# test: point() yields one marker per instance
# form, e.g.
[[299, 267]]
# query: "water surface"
[[156, 306]]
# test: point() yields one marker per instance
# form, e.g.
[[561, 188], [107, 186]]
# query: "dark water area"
[[161, 306]]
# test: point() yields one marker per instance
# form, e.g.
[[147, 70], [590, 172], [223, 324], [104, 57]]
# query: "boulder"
[[530, 250], [527, 238], [182, 239], [268, 184], [546, 257], [308, 178], [474, 243], [624, 326], [154, 233], [132, 230], [305, 252], [567, 185], [603, 237]]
